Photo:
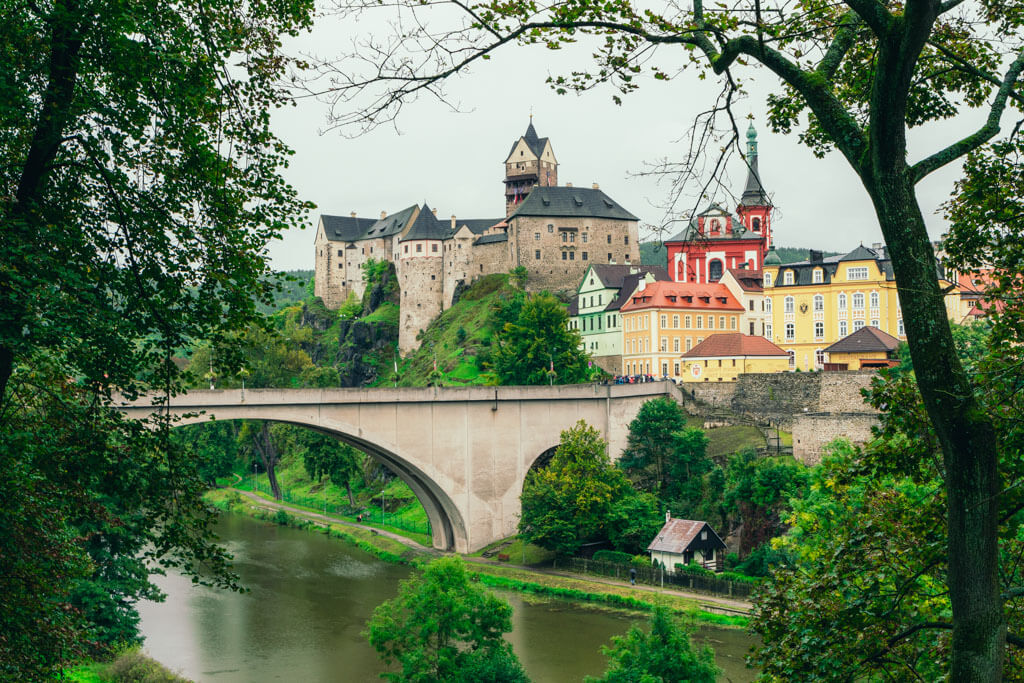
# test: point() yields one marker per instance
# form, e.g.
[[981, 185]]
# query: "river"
[[309, 600]]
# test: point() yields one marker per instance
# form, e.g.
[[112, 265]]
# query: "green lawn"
[[723, 441]]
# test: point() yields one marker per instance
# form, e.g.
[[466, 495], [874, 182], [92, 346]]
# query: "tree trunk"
[[351, 499], [966, 434], [267, 451]]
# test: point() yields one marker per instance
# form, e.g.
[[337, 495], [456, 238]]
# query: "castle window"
[[858, 273], [536, 254], [565, 256], [585, 238], [818, 276], [687, 320], [711, 322], [675, 368], [700, 322], [819, 357], [407, 249], [857, 324], [536, 235], [433, 248], [433, 277], [689, 343], [664, 344], [609, 239], [767, 330], [565, 237], [787, 277], [572, 255], [340, 253], [732, 323], [675, 322], [371, 250], [572, 237], [874, 323], [584, 254], [675, 344], [626, 259], [626, 239], [792, 358], [714, 271], [874, 299], [341, 266], [899, 326], [721, 322], [609, 258], [551, 227]]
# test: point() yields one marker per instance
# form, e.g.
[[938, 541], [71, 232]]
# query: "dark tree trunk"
[[966, 434], [348, 490], [267, 451]]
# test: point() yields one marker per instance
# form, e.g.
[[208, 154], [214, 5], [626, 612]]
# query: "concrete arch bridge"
[[463, 451]]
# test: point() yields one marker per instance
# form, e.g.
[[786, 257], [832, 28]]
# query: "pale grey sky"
[[453, 160]]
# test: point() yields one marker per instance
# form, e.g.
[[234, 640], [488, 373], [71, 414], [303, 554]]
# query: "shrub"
[[135, 667], [613, 556], [283, 518]]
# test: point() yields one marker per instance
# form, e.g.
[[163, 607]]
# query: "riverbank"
[[128, 667], [393, 547]]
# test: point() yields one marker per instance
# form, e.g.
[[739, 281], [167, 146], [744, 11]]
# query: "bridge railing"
[[403, 521]]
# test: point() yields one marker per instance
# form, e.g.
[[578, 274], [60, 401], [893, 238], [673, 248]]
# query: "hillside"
[[458, 340]]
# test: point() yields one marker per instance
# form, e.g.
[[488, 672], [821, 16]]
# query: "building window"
[[819, 331], [565, 256], [842, 302], [756, 224], [711, 322], [721, 322], [584, 254], [419, 248], [536, 254], [551, 227], [857, 273], [664, 344], [406, 248], [767, 279], [675, 322], [899, 326], [689, 343], [565, 237], [792, 358], [675, 344], [788, 304], [675, 369], [790, 332], [585, 235], [433, 248], [818, 276], [857, 324], [609, 239], [787, 277], [874, 299], [819, 303], [664, 321], [536, 235], [714, 270], [874, 323], [819, 357], [687, 320], [858, 301], [625, 239], [340, 253], [572, 237], [732, 323], [767, 330], [341, 266], [609, 258], [572, 255], [842, 329], [700, 322]]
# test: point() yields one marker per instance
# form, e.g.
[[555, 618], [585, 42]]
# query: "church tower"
[[530, 163], [755, 209]]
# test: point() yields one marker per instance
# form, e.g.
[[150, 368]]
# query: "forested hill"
[[296, 286], [655, 254]]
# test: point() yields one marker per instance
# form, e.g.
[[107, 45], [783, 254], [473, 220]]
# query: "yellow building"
[[868, 347], [815, 303], [722, 357], [663, 320]]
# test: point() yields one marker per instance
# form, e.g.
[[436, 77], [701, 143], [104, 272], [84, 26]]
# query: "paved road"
[[710, 600]]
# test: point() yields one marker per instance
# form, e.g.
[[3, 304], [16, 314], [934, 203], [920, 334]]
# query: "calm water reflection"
[[310, 599]]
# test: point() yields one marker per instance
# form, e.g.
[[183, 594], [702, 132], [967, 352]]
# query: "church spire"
[[753, 193]]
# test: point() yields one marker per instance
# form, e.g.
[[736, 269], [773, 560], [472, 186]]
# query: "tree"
[[665, 654], [536, 340], [581, 497], [324, 455], [444, 627], [139, 185], [856, 76], [759, 490]]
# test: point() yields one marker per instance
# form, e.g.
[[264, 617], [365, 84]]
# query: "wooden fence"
[[657, 576]]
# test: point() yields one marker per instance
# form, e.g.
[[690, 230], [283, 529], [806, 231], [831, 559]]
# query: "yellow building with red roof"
[[663, 320], [723, 357]]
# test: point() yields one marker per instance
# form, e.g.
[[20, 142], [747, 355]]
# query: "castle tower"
[[530, 163], [755, 208]]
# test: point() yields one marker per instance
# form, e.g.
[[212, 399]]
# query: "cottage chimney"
[[596, 186], [568, 184], [353, 214], [383, 215], [668, 516], [641, 285], [815, 256], [453, 221], [434, 211]]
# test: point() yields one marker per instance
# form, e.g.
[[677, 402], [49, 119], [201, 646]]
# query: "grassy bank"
[[129, 667], [499, 576]]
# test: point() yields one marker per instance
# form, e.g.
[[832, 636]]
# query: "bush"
[[135, 667], [693, 568], [283, 518], [613, 556]]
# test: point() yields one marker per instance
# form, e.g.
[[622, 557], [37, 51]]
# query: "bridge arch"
[[447, 525]]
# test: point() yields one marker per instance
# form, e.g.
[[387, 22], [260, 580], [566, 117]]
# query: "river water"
[[310, 598]]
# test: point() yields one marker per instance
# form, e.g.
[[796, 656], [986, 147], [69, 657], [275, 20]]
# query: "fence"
[[656, 576], [404, 521]]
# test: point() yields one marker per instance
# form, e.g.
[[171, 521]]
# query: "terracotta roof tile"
[[713, 297], [733, 344]]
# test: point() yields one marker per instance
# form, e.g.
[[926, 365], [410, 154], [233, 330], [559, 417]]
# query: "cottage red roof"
[[677, 535], [734, 344], [864, 340], [713, 297], [748, 280]]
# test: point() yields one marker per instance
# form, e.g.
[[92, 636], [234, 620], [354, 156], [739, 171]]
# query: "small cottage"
[[682, 541], [868, 347]]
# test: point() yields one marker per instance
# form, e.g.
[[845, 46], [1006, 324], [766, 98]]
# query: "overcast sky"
[[453, 160]]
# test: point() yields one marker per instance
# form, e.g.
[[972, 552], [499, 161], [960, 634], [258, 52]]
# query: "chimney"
[[453, 221], [668, 516], [353, 214], [434, 211], [641, 285], [876, 246], [595, 186], [383, 215], [633, 270], [568, 184], [815, 256]]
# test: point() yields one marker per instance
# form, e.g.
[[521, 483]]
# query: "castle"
[[554, 231]]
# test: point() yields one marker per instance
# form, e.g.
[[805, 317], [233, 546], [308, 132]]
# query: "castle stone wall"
[[840, 391], [811, 432], [421, 281]]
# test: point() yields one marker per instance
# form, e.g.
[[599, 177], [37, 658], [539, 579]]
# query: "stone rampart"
[[812, 431]]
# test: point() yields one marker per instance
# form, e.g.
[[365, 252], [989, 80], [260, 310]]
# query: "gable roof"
[[612, 275], [734, 344], [574, 202], [677, 535], [861, 253], [492, 238], [689, 296], [864, 340], [533, 141], [749, 280], [344, 228], [427, 227]]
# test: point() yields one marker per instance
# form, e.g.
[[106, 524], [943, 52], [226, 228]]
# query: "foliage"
[[613, 556], [352, 307], [533, 336], [581, 497], [760, 490], [442, 627], [135, 667], [518, 276], [665, 654]]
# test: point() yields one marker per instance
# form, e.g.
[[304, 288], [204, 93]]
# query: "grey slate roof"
[[427, 227], [571, 202], [391, 225], [491, 239], [629, 284], [803, 270], [865, 340], [477, 225], [612, 275], [861, 253], [344, 228]]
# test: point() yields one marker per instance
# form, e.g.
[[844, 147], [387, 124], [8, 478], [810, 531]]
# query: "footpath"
[[710, 601]]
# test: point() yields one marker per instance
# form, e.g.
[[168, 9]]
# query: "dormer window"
[[767, 279], [818, 276], [787, 277]]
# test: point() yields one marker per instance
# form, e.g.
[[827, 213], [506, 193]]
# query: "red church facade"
[[717, 239]]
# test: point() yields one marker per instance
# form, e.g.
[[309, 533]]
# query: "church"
[[555, 231]]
